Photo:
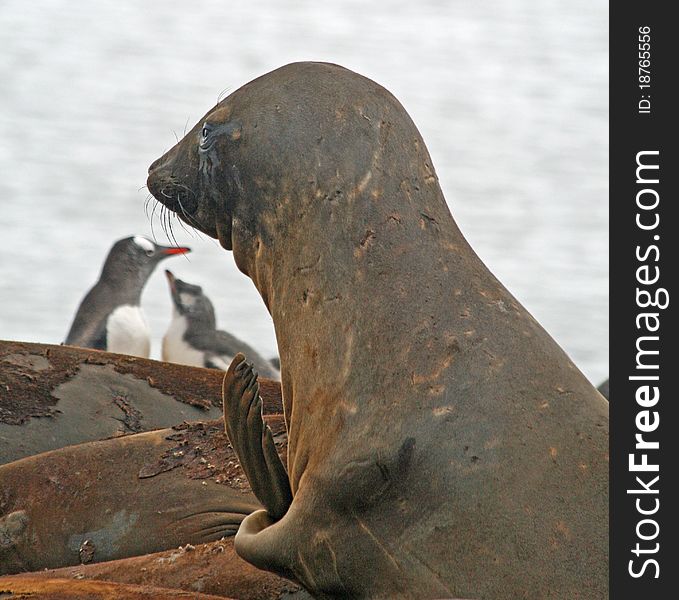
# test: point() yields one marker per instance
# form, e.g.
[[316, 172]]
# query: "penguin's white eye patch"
[[146, 245], [187, 300]]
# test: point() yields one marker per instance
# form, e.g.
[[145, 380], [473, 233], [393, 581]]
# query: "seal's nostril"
[[155, 164]]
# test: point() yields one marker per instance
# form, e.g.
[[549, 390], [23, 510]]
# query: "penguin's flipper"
[[230, 345], [85, 331], [214, 361]]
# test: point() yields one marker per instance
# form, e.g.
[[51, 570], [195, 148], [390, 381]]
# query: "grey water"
[[511, 97]]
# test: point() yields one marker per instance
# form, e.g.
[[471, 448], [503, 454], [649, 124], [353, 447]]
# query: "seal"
[[214, 565], [441, 444], [88, 503], [40, 588], [54, 396]]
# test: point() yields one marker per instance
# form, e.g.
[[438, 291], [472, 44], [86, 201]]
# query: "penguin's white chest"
[[175, 348], [127, 332]]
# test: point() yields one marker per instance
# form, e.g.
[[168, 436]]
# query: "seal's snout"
[[153, 182], [159, 175], [155, 164], [176, 196]]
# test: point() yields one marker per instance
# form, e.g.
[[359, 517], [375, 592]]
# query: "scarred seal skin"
[[121, 497], [441, 444], [39, 588], [55, 396], [212, 568]]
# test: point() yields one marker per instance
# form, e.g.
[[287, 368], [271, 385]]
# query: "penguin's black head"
[[189, 299], [131, 260]]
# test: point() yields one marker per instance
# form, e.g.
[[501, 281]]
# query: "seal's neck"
[[249, 258]]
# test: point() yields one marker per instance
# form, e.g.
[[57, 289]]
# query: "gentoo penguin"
[[193, 338], [110, 317]]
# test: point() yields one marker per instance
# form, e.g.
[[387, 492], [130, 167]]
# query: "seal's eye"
[[204, 134]]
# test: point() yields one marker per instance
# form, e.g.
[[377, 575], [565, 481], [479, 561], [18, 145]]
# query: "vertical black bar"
[[644, 169]]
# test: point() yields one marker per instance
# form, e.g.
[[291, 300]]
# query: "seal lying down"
[[56, 396], [122, 497], [441, 444], [214, 568], [40, 588]]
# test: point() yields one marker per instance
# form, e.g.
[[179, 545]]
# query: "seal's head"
[[192, 181], [305, 134]]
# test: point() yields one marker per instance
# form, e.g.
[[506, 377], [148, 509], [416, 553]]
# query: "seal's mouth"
[[177, 198], [176, 182]]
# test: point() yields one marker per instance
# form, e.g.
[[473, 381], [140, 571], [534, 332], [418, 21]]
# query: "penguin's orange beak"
[[176, 250]]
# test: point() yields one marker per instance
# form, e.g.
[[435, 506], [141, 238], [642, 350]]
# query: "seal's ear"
[[220, 120], [231, 130], [235, 131]]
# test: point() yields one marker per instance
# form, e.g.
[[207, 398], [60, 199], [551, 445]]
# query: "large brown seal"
[[123, 497], [212, 568], [54, 396], [30, 587], [441, 444]]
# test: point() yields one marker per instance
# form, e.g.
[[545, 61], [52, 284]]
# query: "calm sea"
[[510, 96]]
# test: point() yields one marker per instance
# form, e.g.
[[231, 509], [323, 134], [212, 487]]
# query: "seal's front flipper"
[[251, 438]]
